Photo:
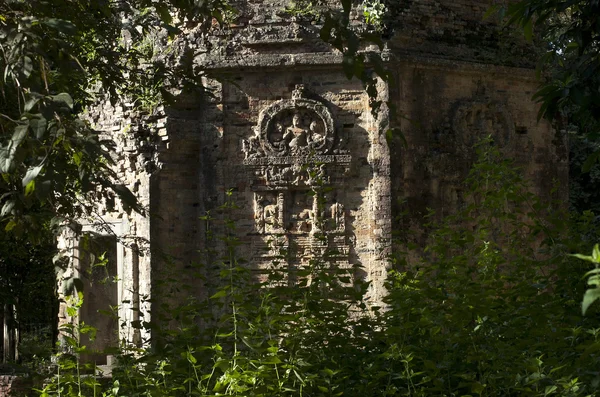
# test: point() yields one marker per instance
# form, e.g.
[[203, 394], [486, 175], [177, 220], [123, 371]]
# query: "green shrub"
[[490, 308]]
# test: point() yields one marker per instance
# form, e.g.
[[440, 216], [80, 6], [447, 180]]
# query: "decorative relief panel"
[[296, 171], [475, 120]]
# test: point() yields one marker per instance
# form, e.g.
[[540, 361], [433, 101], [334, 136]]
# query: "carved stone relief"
[[296, 171], [475, 120]]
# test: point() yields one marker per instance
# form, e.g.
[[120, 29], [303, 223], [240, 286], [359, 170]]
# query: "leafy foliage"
[[486, 313], [570, 31], [27, 289], [57, 58], [491, 308]]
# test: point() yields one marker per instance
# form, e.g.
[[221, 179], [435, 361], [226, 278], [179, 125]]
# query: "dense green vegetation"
[[26, 287], [491, 306], [57, 58]]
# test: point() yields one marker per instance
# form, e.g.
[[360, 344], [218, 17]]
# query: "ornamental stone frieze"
[[296, 169]]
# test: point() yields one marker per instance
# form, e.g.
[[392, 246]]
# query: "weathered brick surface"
[[14, 386], [212, 142], [449, 105], [456, 30]]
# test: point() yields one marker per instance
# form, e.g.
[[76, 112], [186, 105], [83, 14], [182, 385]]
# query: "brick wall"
[[205, 159], [448, 107], [14, 386], [456, 29]]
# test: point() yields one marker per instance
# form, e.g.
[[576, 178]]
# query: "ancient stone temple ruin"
[[282, 133]]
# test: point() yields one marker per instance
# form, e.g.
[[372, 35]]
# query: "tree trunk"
[[10, 335], [5, 335]]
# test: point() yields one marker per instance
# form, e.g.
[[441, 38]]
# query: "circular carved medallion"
[[296, 127]]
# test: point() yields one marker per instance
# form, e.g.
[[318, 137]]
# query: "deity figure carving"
[[317, 134], [482, 117], [317, 175], [300, 175], [267, 213], [337, 216], [280, 137], [251, 147], [271, 217], [303, 219], [293, 127], [259, 212], [280, 174], [298, 142]]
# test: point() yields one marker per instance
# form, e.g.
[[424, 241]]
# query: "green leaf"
[[31, 102], [19, 134], [219, 294], [596, 254], [273, 360], [494, 9], [583, 257], [528, 30], [27, 66], [38, 126], [591, 295], [477, 387], [191, 358], [30, 188], [328, 372], [77, 158], [31, 174], [7, 208], [7, 155], [594, 280], [592, 272], [64, 99], [10, 226], [163, 13]]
